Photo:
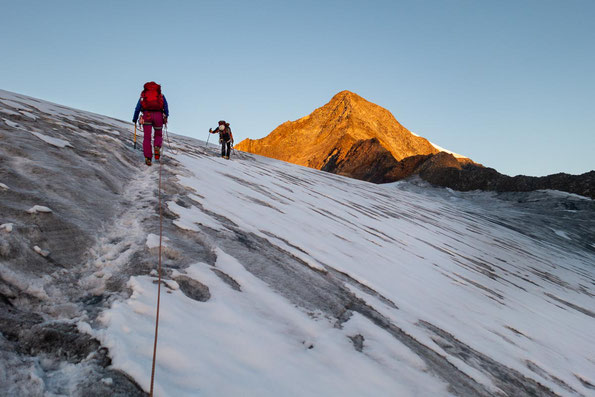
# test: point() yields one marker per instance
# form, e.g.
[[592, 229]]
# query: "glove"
[[133, 121], [232, 142], [211, 130], [164, 119]]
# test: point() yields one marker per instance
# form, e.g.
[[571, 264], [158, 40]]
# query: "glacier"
[[278, 279]]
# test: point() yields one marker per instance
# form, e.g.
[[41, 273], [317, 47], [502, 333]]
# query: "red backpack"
[[151, 97]]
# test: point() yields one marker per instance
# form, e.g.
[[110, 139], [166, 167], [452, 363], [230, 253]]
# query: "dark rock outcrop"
[[472, 177], [368, 160]]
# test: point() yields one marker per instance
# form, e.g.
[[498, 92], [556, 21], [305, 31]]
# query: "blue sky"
[[510, 84]]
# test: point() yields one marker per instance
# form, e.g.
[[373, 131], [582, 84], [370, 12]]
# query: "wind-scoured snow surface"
[[279, 280]]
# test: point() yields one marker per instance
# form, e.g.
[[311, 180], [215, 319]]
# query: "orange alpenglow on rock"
[[353, 137], [331, 131]]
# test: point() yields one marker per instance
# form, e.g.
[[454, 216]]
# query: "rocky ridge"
[[328, 134], [353, 137]]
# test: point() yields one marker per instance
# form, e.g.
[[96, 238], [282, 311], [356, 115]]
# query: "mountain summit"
[[329, 133], [353, 137]]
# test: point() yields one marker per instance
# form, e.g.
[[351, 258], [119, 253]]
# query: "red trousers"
[[152, 120]]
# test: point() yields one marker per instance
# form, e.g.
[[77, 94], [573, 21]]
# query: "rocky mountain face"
[[340, 127], [353, 137]]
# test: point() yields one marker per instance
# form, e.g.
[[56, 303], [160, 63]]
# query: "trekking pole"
[[207, 144], [135, 135]]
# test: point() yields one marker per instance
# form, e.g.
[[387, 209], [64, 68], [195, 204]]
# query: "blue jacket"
[[138, 109]]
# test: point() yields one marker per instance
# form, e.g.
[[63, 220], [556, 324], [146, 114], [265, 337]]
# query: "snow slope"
[[460, 156], [284, 280]]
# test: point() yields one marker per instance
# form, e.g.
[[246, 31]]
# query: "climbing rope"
[[159, 281]]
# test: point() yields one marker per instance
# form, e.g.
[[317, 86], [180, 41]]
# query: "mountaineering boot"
[[226, 157], [148, 161], [157, 152]]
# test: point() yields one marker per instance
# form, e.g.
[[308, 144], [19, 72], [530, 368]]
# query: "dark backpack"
[[151, 97], [225, 136], [225, 133]]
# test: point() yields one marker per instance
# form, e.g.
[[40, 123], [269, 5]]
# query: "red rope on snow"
[[159, 284]]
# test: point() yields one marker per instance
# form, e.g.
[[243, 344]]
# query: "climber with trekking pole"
[[225, 138], [155, 111]]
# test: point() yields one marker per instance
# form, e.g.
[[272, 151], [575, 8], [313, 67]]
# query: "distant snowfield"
[[448, 151], [460, 156], [306, 283]]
